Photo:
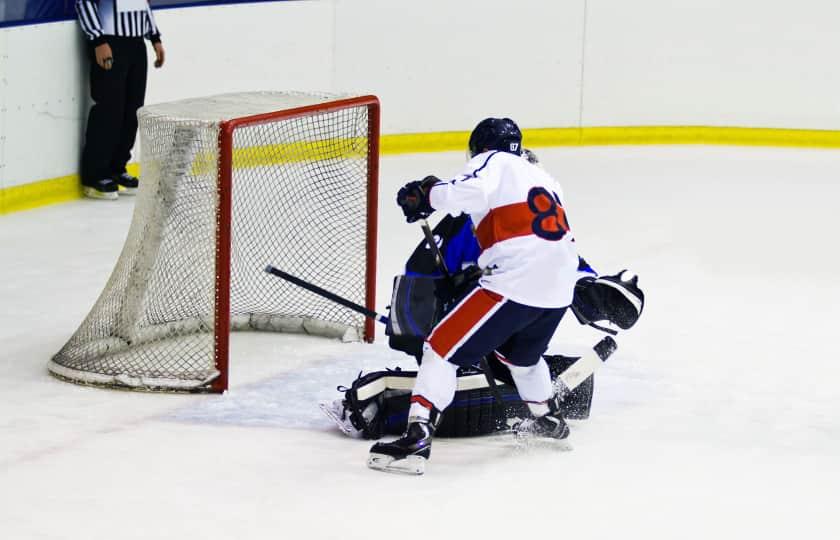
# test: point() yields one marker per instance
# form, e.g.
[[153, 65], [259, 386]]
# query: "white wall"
[[443, 65], [756, 63], [43, 102]]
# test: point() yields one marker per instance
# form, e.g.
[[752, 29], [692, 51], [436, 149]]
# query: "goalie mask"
[[616, 299]]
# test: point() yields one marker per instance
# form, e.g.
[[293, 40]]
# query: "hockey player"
[[377, 403], [531, 268]]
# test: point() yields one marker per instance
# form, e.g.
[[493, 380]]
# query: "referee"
[[115, 30]]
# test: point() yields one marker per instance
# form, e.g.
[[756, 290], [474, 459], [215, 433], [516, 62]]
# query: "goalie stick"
[[327, 294], [585, 366]]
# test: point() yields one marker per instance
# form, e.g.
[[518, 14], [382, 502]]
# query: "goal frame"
[[222, 328]]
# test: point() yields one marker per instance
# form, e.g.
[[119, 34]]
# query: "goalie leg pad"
[[377, 404]]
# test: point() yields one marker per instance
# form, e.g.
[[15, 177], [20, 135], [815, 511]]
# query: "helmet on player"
[[496, 134]]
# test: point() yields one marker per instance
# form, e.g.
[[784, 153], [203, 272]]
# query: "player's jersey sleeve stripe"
[[474, 174], [463, 320], [466, 176], [504, 223]]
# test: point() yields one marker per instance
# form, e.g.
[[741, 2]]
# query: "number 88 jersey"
[[521, 227]]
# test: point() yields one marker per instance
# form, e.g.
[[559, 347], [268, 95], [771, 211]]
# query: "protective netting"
[[299, 202]]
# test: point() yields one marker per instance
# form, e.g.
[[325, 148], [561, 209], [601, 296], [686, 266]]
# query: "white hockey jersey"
[[520, 225]]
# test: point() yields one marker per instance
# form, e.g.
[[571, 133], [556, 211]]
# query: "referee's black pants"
[[112, 124]]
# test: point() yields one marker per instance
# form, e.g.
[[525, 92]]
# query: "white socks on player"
[[436, 383], [437, 380], [534, 385]]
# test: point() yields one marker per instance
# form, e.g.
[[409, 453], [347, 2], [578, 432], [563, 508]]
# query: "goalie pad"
[[474, 411]]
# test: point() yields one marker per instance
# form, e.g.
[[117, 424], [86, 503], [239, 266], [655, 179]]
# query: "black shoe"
[[101, 189], [407, 454], [128, 184]]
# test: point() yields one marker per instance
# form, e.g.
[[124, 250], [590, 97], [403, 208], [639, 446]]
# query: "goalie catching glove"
[[413, 198], [615, 299]]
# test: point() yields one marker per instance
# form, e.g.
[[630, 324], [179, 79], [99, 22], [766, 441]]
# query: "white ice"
[[719, 417]]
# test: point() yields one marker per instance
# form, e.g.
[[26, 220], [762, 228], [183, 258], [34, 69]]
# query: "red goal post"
[[229, 184], [224, 232]]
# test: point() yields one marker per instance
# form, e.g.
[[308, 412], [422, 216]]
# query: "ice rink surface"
[[718, 417]]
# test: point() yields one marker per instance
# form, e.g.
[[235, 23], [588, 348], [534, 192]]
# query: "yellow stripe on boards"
[[45, 192], [625, 135], [729, 136], [410, 143], [36, 194], [65, 188]]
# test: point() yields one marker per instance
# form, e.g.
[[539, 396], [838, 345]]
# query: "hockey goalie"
[[440, 273]]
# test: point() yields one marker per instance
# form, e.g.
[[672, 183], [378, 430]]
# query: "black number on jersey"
[[550, 218]]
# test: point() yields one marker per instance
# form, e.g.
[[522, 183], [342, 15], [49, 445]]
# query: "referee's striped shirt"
[[126, 18]]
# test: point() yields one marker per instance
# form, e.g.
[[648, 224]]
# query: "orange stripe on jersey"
[[546, 220], [504, 223], [462, 320]]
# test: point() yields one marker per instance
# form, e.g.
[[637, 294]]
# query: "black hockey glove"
[[450, 291], [413, 198], [616, 299]]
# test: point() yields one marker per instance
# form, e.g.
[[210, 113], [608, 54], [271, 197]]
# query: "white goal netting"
[[301, 194]]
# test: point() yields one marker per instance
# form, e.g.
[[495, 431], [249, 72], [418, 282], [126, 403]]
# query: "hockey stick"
[[328, 295], [430, 239]]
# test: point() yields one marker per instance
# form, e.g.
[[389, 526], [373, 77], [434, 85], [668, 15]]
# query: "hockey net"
[[231, 184]]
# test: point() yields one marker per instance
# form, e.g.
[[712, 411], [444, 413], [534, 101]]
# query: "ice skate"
[[128, 184], [101, 189], [550, 428], [406, 455], [545, 427]]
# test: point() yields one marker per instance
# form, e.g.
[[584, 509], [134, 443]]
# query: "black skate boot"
[[408, 454], [101, 189], [551, 426], [128, 184]]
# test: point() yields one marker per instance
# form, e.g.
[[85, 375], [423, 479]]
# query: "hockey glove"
[[616, 299], [450, 291], [413, 198]]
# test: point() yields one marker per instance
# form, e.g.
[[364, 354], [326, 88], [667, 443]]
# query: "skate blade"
[[349, 431], [414, 465], [533, 443], [92, 193], [127, 190]]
